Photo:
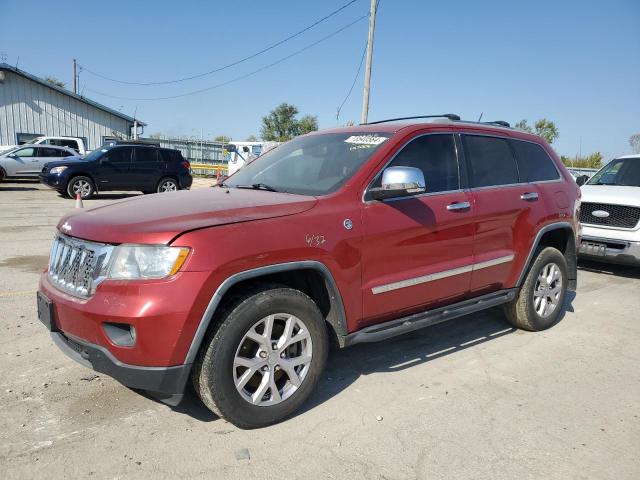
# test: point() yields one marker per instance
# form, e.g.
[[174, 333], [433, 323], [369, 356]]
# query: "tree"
[[547, 130], [524, 126], [634, 141], [251, 138], [590, 161], [544, 128], [281, 124], [54, 81], [222, 139]]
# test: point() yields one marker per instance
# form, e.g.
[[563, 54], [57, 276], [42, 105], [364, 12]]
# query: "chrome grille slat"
[[75, 265]]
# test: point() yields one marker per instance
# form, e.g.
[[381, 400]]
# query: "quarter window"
[[490, 161], [435, 155], [534, 163]]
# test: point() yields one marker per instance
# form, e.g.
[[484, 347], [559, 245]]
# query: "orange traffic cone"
[[79, 201]]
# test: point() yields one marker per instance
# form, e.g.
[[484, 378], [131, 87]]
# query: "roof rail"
[[450, 116], [501, 123]]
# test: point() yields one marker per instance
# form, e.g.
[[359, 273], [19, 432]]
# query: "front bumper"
[[52, 181], [167, 383], [624, 252]]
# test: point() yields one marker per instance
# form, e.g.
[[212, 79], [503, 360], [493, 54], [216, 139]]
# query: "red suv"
[[354, 234]]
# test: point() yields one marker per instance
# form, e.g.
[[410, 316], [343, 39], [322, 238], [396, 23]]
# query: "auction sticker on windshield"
[[366, 139]]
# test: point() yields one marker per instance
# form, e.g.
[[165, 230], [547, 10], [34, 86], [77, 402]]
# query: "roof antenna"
[[480, 117], [17, 60]]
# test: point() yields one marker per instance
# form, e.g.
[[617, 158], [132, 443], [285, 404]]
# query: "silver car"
[[27, 161]]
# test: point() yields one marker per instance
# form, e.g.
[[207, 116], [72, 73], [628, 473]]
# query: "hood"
[[161, 217], [66, 162], [613, 194]]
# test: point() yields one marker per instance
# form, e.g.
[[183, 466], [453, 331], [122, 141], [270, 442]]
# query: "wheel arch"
[[309, 276], [562, 236]]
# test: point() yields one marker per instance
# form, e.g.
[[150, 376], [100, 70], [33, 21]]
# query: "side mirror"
[[230, 148], [12, 155], [581, 180], [399, 182]]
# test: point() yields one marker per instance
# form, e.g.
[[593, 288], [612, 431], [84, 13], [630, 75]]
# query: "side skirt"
[[382, 331]]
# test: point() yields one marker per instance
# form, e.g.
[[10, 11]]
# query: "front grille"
[[620, 216], [75, 265]]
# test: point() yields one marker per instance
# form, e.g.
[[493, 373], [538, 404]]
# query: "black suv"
[[146, 168]]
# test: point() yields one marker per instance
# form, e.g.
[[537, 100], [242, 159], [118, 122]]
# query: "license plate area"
[[46, 312], [593, 248]]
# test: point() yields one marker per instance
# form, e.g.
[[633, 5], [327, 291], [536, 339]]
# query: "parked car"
[[75, 143], [27, 161], [610, 213], [122, 167], [355, 234]]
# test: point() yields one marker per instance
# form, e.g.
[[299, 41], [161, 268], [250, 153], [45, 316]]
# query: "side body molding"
[[570, 253], [336, 317]]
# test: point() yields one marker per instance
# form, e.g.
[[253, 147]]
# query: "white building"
[[31, 107]]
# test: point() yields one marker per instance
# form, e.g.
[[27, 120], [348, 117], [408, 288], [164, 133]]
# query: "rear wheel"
[[264, 359], [167, 185], [82, 185], [540, 300]]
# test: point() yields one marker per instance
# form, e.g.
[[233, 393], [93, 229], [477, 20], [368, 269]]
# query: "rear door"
[[502, 207], [145, 168], [417, 251], [113, 171], [48, 154]]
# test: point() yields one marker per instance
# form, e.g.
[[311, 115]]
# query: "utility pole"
[[75, 77], [367, 71]]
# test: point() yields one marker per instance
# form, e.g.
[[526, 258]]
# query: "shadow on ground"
[[345, 366], [609, 268]]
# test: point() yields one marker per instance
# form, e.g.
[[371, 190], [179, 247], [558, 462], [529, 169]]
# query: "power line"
[[241, 77], [224, 67], [355, 79]]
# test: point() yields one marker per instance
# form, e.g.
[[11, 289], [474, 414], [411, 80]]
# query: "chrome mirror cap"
[[399, 182]]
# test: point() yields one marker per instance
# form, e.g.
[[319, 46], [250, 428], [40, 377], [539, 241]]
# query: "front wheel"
[[540, 300], [81, 185], [264, 359], [167, 185]]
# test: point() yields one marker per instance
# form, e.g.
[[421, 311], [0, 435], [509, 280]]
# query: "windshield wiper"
[[258, 186]]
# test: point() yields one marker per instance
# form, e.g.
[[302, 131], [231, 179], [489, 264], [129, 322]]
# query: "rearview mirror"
[[581, 180], [399, 182]]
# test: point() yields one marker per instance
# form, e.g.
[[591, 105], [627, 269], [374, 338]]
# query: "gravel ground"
[[470, 399]]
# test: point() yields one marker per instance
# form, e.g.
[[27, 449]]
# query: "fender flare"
[[338, 320], [572, 250]]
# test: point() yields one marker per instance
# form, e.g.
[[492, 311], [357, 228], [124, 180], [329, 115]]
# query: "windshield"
[[622, 172], [309, 165], [96, 154]]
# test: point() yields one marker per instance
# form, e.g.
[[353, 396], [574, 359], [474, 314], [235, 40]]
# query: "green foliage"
[[544, 128], [54, 81], [281, 124], [634, 141], [251, 138], [222, 139], [591, 161]]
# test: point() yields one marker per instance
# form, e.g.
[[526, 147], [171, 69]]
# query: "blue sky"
[[574, 62]]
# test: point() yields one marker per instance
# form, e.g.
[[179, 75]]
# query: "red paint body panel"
[[242, 230]]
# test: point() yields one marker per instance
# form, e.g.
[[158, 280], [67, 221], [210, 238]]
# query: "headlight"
[[56, 170], [146, 261]]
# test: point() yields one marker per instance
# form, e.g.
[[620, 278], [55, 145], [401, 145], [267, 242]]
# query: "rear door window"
[[145, 155], [490, 160], [534, 163], [52, 152]]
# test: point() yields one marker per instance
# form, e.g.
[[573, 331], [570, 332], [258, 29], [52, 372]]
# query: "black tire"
[[167, 184], [81, 184], [3, 174], [213, 372], [521, 311]]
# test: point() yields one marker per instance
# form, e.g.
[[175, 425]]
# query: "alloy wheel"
[[548, 289], [82, 187]]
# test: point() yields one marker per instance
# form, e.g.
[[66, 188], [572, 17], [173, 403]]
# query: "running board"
[[382, 331]]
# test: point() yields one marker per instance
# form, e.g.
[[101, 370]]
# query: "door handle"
[[458, 206], [529, 196]]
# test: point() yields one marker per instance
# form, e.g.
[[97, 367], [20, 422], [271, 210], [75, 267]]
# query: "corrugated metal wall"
[[28, 107]]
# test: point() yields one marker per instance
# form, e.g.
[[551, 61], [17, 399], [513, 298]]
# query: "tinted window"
[[490, 161], [119, 155], [435, 155], [534, 163], [145, 155], [52, 152]]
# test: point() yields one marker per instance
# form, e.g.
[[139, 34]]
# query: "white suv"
[[610, 213]]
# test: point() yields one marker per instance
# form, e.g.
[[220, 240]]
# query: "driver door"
[[418, 250], [23, 163]]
